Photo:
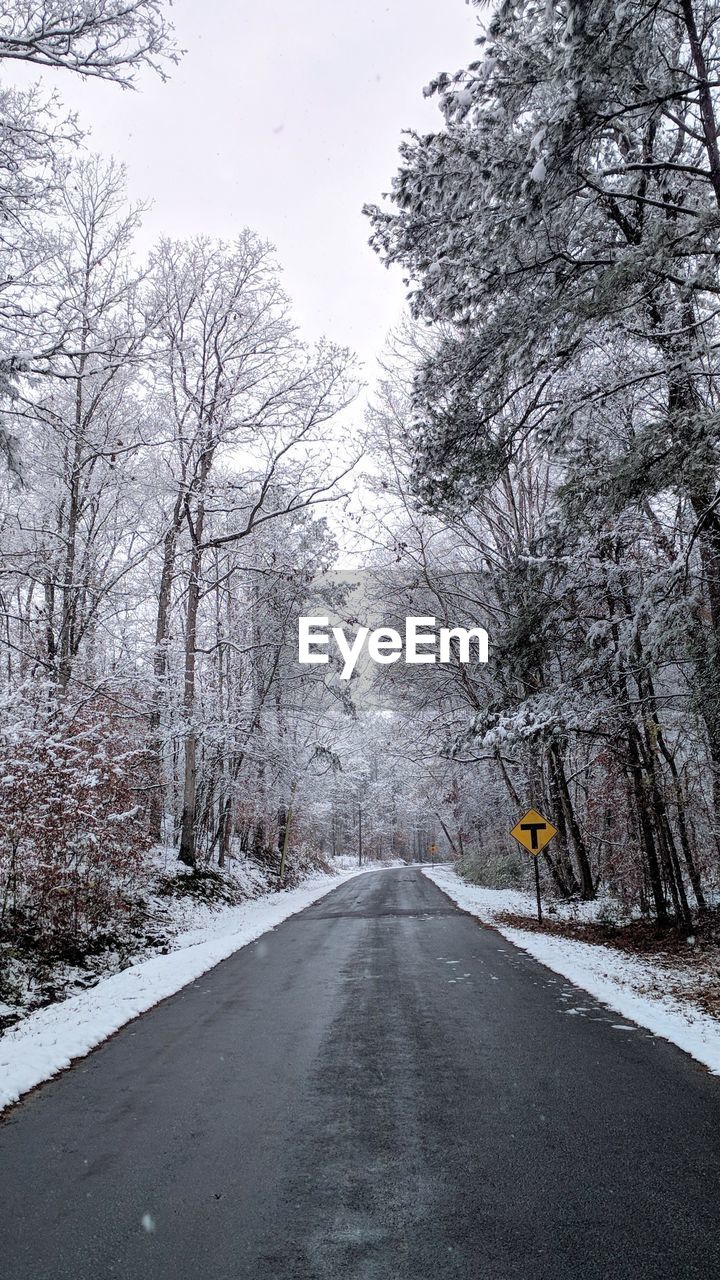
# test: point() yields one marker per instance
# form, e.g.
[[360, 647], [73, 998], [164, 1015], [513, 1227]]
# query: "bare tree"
[[248, 398], [109, 39]]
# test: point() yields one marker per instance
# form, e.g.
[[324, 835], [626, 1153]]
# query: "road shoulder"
[[636, 988], [51, 1039]]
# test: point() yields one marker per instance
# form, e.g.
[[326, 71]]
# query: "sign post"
[[533, 832], [537, 890]]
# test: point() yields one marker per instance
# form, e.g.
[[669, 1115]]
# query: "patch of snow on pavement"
[[617, 980], [48, 1040]]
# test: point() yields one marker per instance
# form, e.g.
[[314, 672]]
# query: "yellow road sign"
[[533, 832], [433, 848]]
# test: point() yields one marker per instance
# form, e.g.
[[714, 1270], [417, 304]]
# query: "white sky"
[[286, 117]]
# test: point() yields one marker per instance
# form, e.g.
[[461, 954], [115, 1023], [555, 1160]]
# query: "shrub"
[[73, 833]]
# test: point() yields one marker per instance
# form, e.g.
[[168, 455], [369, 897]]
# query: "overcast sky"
[[286, 117]]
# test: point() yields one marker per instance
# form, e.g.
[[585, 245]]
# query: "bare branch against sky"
[[286, 118]]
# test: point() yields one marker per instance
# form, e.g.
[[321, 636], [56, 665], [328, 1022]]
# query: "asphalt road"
[[380, 1089]]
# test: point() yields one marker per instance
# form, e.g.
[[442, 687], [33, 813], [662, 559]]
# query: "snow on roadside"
[[521, 902], [625, 983], [349, 862], [48, 1040]]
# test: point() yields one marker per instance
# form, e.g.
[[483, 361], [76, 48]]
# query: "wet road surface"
[[379, 1089]]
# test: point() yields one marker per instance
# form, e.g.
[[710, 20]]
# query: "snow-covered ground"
[[631, 985], [349, 862], [523, 903], [163, 910], [49, 1039]]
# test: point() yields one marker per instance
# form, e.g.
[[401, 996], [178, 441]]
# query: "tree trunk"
[[160, 666], [586, 876], [188, 852], [645, 825]]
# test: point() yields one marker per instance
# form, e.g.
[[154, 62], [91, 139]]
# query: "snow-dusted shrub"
[[72, 825], [496, 870], [204, 884]]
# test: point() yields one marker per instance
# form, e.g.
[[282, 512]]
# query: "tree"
[[239, 382], [561, 237], [108, 39]]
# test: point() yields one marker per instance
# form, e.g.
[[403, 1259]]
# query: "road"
[[380, 1089]]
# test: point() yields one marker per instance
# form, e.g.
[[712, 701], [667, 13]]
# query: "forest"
[[540, 457]]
